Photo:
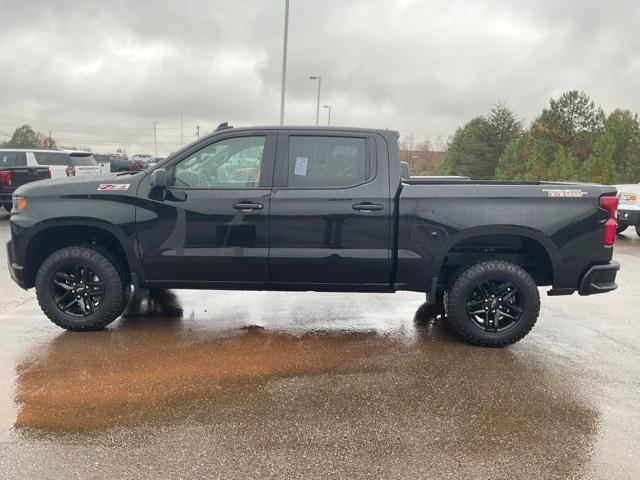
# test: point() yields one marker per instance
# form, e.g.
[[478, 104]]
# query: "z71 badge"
[[113, 186]]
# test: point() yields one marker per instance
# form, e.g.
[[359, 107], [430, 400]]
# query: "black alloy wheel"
[[495, 305], [77, 290], [492, 303], [81, 288]]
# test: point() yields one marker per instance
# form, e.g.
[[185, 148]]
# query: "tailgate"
[[23, 175]]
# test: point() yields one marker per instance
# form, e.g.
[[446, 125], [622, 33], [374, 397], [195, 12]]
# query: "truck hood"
[[82, 185]]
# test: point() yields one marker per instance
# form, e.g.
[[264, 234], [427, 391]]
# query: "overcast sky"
[[99, 73]]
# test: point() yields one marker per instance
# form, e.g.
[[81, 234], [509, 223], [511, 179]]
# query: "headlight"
[[19, 203]]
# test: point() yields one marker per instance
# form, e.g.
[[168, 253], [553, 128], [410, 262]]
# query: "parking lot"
[[307, 385]]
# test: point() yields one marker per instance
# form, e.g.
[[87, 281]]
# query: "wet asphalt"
[[194, 384]]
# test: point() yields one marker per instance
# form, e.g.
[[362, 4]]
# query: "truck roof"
[[222, 127]]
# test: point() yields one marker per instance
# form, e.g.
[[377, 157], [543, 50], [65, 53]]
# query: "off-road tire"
[[468, 279], [114, 300]]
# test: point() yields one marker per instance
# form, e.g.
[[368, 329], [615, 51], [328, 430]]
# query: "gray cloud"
[[99, 73]]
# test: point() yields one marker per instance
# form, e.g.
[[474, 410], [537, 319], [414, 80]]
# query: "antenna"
[[223, 126]]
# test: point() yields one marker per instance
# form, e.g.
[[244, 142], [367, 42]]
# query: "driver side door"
[[212, 224]]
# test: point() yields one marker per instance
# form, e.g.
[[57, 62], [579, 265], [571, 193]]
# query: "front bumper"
[[599, 279], [15, 270], [628, 217]]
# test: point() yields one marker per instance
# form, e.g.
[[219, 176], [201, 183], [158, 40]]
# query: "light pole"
[[181, 129], [328, 107], [319, 78], [155, 139], [284, 59]]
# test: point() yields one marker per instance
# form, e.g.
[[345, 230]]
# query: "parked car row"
[[629, 208], [15, 172], [21, 166]]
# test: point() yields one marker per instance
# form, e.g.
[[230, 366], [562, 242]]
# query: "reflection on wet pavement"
[[151, 370], [291, 385]]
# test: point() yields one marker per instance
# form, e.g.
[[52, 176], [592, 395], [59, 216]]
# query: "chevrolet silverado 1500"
[[324, 209]]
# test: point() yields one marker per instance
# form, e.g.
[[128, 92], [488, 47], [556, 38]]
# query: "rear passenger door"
[[330, 213]]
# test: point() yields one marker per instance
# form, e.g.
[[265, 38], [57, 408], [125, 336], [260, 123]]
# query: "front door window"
[[231, 163]]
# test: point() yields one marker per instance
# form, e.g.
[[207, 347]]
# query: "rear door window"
[[52, 158], [327, 162], [8, 159]]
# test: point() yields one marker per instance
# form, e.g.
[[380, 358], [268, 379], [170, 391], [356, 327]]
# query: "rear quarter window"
[[8, 159], [52, 158], [83, 161]]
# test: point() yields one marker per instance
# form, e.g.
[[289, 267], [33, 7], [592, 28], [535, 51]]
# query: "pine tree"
[[563, 167], [512, 164], [625, 129], [599, 166], [507, 127], [473, 150], [536, 167]]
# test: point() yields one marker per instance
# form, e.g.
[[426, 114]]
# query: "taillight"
[[5, 178], [71, 171], [610, 204]]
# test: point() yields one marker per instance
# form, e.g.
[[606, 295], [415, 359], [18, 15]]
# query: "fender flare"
[[530, 233], [127, 244]]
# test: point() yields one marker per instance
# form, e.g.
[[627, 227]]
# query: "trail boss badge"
[[564, 192]]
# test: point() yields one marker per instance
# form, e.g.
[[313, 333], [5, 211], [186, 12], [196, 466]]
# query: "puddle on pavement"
[[151, 370]]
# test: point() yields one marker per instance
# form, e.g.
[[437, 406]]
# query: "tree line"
[[572, 139], [27, 137]]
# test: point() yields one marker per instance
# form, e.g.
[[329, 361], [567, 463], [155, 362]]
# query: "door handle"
[[367, 207], [248, 206]]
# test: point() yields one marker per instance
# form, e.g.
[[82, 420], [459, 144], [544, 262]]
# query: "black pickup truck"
[[14, 173], [324, 209]]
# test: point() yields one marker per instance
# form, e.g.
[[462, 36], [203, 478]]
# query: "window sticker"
[[301, 166]]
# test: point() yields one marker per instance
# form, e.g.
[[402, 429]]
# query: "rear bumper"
[[599, 279], [628, 217], [15, 270]]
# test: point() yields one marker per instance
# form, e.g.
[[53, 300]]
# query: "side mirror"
[[159, 179]]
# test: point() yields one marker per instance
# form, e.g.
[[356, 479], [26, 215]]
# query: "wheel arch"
[[509, 243], [52, 236]]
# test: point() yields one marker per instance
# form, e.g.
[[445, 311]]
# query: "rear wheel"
[[493, 303], [79, 288], [7, 206]]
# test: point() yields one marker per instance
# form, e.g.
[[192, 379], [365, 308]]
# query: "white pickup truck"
[[629, 207]]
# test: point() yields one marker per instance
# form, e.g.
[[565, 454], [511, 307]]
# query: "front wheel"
[[493, 303], [79, 288]]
